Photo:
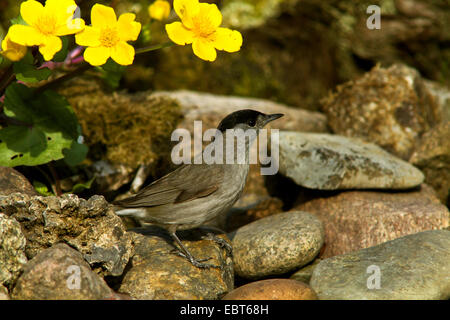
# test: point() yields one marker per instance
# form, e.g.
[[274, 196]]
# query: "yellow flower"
[[12, 50], [46, 25], [107, 37], [200, 26], [159, 10]]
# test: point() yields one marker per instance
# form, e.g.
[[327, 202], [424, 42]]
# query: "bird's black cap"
[[247, 116]]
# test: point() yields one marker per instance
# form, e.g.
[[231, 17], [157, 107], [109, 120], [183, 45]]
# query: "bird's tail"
[[134, 212]]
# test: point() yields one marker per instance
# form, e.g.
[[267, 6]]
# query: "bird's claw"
[[221, 242], [196, 262]]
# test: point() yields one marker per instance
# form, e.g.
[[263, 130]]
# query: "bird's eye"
[[251, 122]]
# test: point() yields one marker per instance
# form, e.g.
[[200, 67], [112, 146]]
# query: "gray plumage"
[[194, 194]]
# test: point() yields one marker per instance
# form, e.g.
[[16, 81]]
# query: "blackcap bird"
[[195, 194]]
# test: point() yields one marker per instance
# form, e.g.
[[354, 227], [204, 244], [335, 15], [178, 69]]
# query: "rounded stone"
[[333, 162], [272, 289], [157, 273], [413, 267], [59, 273], [276, 244]]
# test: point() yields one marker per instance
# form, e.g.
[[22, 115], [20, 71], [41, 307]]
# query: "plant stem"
[[55, 177], [47, 178], [51, 84], [7, 77], [155, 47], [86, 66]]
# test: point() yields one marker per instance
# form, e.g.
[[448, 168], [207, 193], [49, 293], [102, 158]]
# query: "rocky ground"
[[358, 210]]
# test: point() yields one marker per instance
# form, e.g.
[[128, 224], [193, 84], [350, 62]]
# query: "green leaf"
[[50, 128], [26, 71], [82, 186], [76, 154], [112, 73], [61, 55], [18, 20], [42, 188]]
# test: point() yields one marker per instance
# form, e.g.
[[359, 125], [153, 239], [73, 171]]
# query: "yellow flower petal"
[[123, 53], [103, 16], [210, 12], [11, 50], [97, 56], [61, 6], [128, 28], [228, 40], [50, 46], [30, 10], [72, 26], [159, 10], [25, 35], [63, 11], [89, 37], [204, 49], [186, 9], [179, 34]]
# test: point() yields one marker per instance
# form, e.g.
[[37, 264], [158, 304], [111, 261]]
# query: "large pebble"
[[272, 289], [60, 273], [330, 162], [157, 273], [412, 267], [276, 244], [13, 181], [355, 220]]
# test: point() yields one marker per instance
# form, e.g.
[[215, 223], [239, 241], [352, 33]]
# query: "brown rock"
[[90, 226], [57, 273], [355, 220], [390, 107], [432, 156], [157, 273], [3, 293], [273, 289], [12, 181], [12, 250]]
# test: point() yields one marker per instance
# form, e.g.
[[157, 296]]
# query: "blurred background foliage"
[[294, 51]]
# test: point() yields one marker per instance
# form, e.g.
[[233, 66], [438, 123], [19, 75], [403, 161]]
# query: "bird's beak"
[[271, 117]]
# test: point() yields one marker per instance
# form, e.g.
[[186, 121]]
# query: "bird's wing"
[[186, 183]]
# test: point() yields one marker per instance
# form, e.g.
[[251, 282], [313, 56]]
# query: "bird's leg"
[[221, 242], [184, 252]]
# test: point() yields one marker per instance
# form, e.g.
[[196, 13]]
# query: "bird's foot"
[[196, 262], [221, 242]]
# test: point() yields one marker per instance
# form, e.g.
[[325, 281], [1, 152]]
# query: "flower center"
[[203, 28], [46, 24], [109, 37]]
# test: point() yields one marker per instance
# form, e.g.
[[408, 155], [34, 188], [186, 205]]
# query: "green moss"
[[130, 129]]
